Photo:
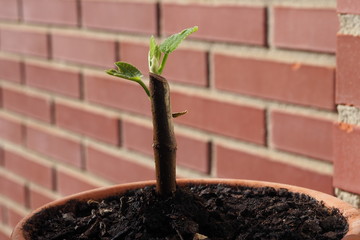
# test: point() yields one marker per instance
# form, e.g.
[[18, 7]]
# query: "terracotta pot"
[[350, 213]]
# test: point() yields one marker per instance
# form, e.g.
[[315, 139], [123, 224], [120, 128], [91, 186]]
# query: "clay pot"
[[350, 213]]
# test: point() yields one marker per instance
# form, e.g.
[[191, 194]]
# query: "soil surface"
[[195, 212]]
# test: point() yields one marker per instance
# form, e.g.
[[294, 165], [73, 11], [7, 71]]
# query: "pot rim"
[[349, 212]]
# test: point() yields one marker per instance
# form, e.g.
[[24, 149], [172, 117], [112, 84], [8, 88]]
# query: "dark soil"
[[195, 212]]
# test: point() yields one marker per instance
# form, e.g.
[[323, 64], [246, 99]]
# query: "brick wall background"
[[347, 134], [258, 80]]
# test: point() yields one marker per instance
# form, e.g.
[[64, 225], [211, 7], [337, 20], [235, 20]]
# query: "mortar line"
[[210, 70], [46, 191], [158, 19], [52, 111], [83, 156], [79, 13], [303, 3], [268, 28], [54, 183], [84, 175], [5, 216], [117, 51], [6, 202], [48, 160], [213, 159], [2, 155], [49, 45], [81, 86], [5, 229], [24, 134], [208, 73], [22, 72], [20, 10], [268, 129], [120, 133], [27, 201]]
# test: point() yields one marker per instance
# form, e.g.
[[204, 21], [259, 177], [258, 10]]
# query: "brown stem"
[[164, 142]]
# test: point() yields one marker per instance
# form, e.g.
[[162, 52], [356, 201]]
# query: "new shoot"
[[164, 142]]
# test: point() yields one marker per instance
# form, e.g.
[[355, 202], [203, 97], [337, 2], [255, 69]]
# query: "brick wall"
[[347, 132], [258, 80]]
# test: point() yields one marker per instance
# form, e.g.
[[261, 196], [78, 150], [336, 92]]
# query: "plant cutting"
[[188, 209], [164, 142]]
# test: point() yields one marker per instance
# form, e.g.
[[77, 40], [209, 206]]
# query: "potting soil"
[[195, 212]]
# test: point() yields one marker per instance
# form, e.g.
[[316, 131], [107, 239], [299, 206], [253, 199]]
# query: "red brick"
[[9, 10], [187, 66], [238, 164], [229, 119], [68, 183], [116, 93], [12, 189], [191, 153], [28, 105], [83, 50], [31, 170], [111, 15], [346, 159], [59, 12], [1, 156], [293, 83], [1, 97], [137, 137], [3, 215], [38, 198], [14, 217], [24, 42], [11, 130], [53, 145], [116, 168], [237, 24], [306, 28], [348, 6], [304, 135], [95, 125], [136, 54], [53, 79], [348, 70], [10, 70], [4, 236], [183, 66]]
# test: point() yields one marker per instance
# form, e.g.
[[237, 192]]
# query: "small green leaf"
[[154, 56], [127, 71], [154, 48], [172, 42]]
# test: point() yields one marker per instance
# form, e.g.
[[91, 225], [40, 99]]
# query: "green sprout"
[[164, 141], [157, 58]]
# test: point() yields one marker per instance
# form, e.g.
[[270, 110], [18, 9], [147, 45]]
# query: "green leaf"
[[154, 56], [127, 71], [154, 48], [172, 42]]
